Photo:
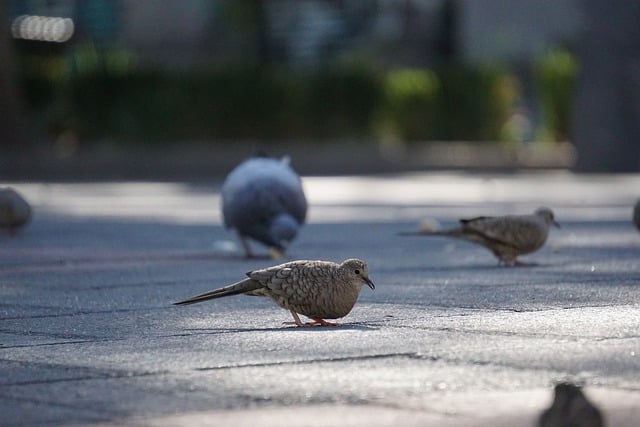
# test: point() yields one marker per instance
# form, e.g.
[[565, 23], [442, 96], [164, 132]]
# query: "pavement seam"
[[409, 355], [104, 376]]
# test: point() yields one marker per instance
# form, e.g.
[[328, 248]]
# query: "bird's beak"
[[556, 224], [369, 282]]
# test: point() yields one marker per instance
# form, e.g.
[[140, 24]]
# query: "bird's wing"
[[297, 280], [511, 231]]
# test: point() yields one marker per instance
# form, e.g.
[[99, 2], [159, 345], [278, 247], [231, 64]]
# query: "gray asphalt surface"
[[88, 335]]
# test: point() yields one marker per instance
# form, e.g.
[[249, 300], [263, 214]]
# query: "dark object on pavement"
[[570, 408]]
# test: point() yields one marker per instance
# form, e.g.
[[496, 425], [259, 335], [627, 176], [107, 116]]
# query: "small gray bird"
[[570, 408], [636, 214], [15, 211], [317, 289], [506, 236], [263, 199]]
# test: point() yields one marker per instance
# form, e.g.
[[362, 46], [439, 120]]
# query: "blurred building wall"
[[310, 32], [503, 30], [168, 31], [606, 124]]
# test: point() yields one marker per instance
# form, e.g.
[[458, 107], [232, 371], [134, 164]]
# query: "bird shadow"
[[487, 267], [356, 326]]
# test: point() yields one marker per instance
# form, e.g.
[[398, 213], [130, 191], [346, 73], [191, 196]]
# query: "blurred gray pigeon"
[[263, 199], [506, 236], [15, 211], [636, 214], [570, 408], [317, 289]]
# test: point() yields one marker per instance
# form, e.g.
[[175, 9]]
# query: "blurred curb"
[[212, 161]]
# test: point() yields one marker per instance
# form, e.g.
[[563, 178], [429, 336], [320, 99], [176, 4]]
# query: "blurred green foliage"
[[472, 103], [103, 94], [408, 110], [555, 75], [340, 101]]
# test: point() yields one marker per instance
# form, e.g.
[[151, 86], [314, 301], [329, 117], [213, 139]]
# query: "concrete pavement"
[[88, 334]]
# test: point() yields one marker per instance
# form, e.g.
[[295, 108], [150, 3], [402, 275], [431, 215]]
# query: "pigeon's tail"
[[242, 287]]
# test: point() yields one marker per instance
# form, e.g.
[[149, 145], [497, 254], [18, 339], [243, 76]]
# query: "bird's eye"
[[357, 271]]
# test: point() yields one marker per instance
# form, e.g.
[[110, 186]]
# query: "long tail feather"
[[244, 286]]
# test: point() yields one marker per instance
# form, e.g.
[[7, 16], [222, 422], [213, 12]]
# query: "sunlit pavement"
[[88, 334]]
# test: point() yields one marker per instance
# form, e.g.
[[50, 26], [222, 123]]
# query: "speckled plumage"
[[263, 199], [15, 211], [570, 408], [506, 236], [317, 289]]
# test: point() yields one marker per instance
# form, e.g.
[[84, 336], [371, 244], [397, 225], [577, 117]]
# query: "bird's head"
[[357, 269], [566, 393], [547, 215]]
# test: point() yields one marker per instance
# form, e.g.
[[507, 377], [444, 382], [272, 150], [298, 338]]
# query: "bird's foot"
[[316, 321], [321, 322], [275, 253], [519, 263], [514, 262]]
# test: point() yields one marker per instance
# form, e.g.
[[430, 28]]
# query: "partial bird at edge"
[[570, 408]]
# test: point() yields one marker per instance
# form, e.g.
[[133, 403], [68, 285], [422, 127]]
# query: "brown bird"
[[317, 289], [506, 236], [15, 211], [570, 408]]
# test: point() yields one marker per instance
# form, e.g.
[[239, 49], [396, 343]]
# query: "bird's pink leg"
[[321, 322], [316, 321], [519, 263], [296, 318], [508, 261]]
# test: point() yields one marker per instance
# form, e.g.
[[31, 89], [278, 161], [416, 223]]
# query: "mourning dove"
[[317, 289], [15, 211], [636, 214], [570, 408], [506, 236], [263, 199]]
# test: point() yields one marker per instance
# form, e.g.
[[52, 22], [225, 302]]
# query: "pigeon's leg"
[[321, 322], [275, 253], [245, 245]]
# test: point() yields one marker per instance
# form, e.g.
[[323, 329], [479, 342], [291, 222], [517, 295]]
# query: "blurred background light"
[[42, 28]]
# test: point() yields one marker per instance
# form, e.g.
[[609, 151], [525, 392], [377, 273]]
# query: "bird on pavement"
[[15, 211], [506, 236], [318, 290], [263, 199], [636, 214], [570, 408]]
